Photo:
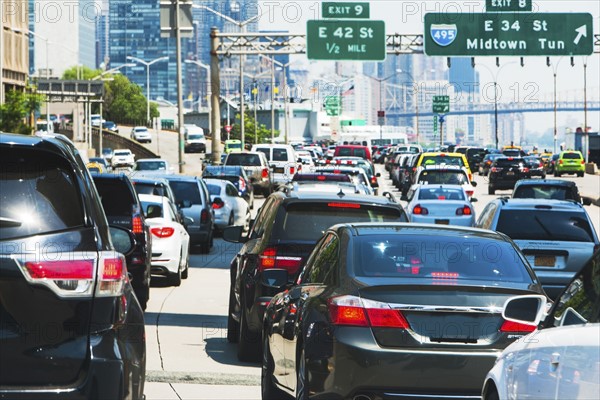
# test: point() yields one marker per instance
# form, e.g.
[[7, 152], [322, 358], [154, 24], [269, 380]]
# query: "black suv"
[[70, 324], [548, 189], [122, 208], [285, 231], [505, 172]]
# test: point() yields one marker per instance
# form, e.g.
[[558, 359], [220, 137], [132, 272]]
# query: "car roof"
[[184, 178], [442, 167], [375, 228], [548, 182], [219, 182], [442, 186], [148, 179], [292, 196], [529, 204], [152, 198]]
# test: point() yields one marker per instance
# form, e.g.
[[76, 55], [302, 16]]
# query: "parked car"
[[257, 168], [378, 313], [111, 126], [71, 326], [141, 134], [229, 207], [486, 164], [548, 189], [123, 158], [440, 204], [193, 199], [153, 166], [570, 162], [194, 139], [561, 359], [235, 174], [170, 240], [122, 208], [285, 231], [557, 237], [282, 161], [536, 166], [505, 173]]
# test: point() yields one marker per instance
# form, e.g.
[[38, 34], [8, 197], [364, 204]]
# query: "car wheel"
[[231, 220], [233, 326], [144, 296], [267, 388], [248, 341], [556, 174], [491, 190], [205, 247], [175, 278], [580, 174], [301, 377], [186, 267], [492, 395]]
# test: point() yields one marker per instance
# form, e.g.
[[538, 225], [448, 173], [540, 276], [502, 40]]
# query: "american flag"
[[349, 91]]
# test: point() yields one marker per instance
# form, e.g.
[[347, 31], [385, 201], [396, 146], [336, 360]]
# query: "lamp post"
[[208, 90], [147, 64], [416, 95], [586, 136], [254, 80], [381, 80], [242, 27], [554, 73]]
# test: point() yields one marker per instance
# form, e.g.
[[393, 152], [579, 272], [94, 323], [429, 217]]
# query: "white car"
[[445, 175], [559, 360], [230, 208], [141, 134], [282, 161], [152, 166], [170, 240], [122, 158], [305, 160], [440, 204]]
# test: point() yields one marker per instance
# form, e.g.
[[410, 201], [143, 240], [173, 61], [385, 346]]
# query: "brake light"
[[112, 275], [269, 259], [292, 170], [444, 275], [583, 161], [560, 161], [343, 205], [374, 180], [466, 210], [525, 169], [516, 327], [496, 169], [420, 210], [241, 184], [218, 205], [138, 226], [321, 178], [541, 165], [353, 311], [265, 173], [470, 193], [510, 158], [163, 232], [204, 217]]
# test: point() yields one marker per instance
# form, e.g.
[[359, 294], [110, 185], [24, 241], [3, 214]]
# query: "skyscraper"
[[463, 76], [13, 47]]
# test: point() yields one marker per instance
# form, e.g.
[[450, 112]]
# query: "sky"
[[535, 79]]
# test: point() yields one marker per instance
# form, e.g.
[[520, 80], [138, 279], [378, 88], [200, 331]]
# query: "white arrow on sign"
[[581, 31]]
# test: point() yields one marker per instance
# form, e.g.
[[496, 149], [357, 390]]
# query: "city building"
[[102, 43], [14, 47], [63, 35]]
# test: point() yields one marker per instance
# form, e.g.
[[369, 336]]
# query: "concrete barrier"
[[114, 141], [591, 169]]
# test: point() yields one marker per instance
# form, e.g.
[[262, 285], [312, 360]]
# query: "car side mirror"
[[122, 239], [233, 234], [274, 278], [527, 309], [473, 183]]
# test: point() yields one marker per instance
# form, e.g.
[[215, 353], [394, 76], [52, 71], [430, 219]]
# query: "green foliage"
[[83, 73], [250, 133], [14, 111]]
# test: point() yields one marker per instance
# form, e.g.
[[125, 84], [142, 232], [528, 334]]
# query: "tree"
[[16, 108], [264, 134], [81, 73]]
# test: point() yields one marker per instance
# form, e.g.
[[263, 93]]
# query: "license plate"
[[442, 221], [544, 261], [510, 173], [279, 170]]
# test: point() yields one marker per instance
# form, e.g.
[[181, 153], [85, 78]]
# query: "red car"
[[353, 150]]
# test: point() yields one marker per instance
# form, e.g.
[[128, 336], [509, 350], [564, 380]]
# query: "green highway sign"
[[334, 9], [441, 104], [508, 34], [508, 5], [435, 124], [352, 40], [333, 106]]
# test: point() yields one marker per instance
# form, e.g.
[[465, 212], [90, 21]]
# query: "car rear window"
[[543, 192], [440, 193], [443, 177], [186, 191], [506, 162], [149, 188], [266, 151], [280, 155], [545, 225], [152, 210], [116, 197], [122, 153], [150, 166], [308, 221], [251, 160], [572, 156], [38, 194], [443, 259], [213, 190], [441, 160]]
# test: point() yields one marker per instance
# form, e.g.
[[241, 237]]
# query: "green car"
[[570, 162]]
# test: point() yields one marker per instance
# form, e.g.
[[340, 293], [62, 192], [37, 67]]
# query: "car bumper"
[[571, 168], [165, 257], [358, 365], [195, 148], [441, 220]]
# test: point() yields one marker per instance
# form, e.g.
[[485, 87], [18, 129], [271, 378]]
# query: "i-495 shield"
[[443, 34]]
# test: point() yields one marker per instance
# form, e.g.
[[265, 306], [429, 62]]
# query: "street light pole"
[[273, 100], [496, 112], [585, 132], [208, 91], [147, 64], [555, 127]]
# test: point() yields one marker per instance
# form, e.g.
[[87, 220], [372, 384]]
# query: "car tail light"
[[269, 259], [138, 225], [374, 180], [241, 184], [420, 210], [74, 277], [510, 158], [496, 169], [354, 311], [466, 210], [524, 169], [583, 161], [321, 178], [204, 217], [444, 275], [163, 232], [470, 193], [541, 165], [293, 170], [265, 172], [218, 205], [560, 161], [516, 327], [343, 205]]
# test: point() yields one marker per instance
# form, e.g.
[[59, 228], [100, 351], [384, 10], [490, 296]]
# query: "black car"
[[70, 324], [234, 174], [548, 189], [385, 311], [536, 166], [284, 233], [505, 172], [475, 156], [552, 163], [122, 208], [486, 163]]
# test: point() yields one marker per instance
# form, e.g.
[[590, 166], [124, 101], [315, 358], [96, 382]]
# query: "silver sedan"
[[230, 208], [440, 204]]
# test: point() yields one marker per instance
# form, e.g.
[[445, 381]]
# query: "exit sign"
[[352, 40], [508, 5], [331, 9]]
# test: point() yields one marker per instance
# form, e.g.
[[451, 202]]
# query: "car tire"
[[492, 395], [186, 266], [205, 247], [491, 190], [556, 174], [268, 389], [248, 348], [231, 220], [580, 174], [301, 377], [175, 278], [144, 297], [233, 326]]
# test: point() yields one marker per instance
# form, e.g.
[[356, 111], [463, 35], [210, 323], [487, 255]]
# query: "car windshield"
[[441, 193], [195, 136], [443, 259], [548, 192], [307, 221], [251, 160], [442, 160], [545, 225], [443, 177]]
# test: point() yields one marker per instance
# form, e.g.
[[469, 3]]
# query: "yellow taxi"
[[438, 158], [95, 167]]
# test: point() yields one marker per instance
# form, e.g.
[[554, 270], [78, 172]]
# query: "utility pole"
[[496, 111], [273, 100], [586, 136], [214, 97], [181, 129]]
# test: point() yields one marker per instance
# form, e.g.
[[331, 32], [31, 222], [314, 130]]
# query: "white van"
[[282, 160], [42, 127], [194, 139]]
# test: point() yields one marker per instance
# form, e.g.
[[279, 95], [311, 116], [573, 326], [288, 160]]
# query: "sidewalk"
[[186, 391]]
